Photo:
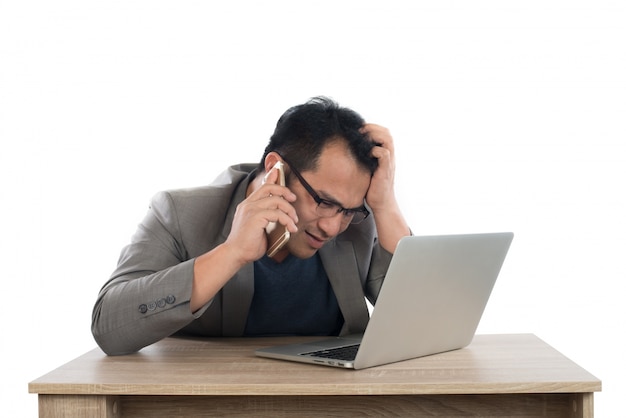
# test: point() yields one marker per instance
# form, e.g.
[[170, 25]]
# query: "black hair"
[[303, 130]]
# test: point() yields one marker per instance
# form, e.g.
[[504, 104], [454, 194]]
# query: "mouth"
[[315, 241]]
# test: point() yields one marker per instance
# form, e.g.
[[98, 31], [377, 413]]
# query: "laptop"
[[431, 301]]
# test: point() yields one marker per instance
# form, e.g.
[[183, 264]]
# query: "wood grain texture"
[[526, 405], [513, 405], [491, 364], [79, 406], [496, 375]]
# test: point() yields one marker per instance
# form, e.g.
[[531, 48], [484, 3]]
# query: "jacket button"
[[161, 303], [152, 306], [143, 308], [170, 299]]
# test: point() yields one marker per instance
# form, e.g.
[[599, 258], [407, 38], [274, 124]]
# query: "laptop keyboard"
[[347, 353]]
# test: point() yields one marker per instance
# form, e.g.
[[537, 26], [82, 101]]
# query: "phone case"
[[277, 234]]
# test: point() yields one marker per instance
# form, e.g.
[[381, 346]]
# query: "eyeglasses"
[[326, 208]]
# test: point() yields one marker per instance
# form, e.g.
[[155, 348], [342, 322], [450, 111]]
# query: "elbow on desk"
[[112, 343], [113, 350], [114, 336], [117, 334]]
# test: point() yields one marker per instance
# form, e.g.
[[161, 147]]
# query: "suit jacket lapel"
[[236, 299], [340, 263]]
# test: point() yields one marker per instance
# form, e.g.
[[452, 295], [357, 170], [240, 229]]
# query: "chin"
[[302, 253]]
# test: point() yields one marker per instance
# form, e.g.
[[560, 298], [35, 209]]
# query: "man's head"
[[328, 160], [304, 130]]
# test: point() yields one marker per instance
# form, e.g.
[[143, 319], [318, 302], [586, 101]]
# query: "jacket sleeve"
[[147, 297]]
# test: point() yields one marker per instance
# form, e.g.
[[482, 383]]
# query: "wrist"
[[211, 271], [391, 226]]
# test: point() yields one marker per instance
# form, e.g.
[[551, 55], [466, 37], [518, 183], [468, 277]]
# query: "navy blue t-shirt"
[[292, 298]]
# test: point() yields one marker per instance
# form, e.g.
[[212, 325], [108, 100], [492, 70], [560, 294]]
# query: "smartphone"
[[277, 234]]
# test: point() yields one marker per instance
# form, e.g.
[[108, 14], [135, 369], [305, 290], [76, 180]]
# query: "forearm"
[[211, 272], [391, 226], [132, 312], [390, 222]]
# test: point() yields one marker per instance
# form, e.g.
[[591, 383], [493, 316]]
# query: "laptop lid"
[[437, 294], [431, 301]]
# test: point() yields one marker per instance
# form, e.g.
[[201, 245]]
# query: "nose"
[[332, 225]]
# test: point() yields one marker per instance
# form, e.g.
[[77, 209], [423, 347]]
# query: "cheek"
[[305, 212]]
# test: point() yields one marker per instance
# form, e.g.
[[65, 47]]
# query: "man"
[[197, 263]]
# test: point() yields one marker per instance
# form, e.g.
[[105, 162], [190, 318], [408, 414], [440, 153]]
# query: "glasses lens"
[[358, 217], [327, 209]]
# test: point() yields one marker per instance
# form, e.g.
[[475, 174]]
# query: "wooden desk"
[[497, 375]]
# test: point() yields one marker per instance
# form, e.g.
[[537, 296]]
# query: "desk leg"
[[78, 406], [582, 405]]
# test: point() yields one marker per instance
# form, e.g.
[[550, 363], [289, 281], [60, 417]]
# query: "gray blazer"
[[147, 297]]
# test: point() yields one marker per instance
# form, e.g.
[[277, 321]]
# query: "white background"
[[507, 115]]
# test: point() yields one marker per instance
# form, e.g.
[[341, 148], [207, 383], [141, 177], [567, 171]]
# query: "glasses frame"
[[318, 200]]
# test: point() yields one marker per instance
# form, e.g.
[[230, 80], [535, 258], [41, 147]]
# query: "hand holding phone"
[[277, 234]]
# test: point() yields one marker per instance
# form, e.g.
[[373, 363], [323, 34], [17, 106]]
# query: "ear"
[[271, 159]]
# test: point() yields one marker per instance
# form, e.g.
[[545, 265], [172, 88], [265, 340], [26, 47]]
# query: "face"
[[337, 178]]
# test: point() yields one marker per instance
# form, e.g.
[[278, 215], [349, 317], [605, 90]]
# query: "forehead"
[[338, 177]]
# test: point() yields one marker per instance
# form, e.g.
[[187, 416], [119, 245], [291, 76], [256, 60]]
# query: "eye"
[[325, 204]]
